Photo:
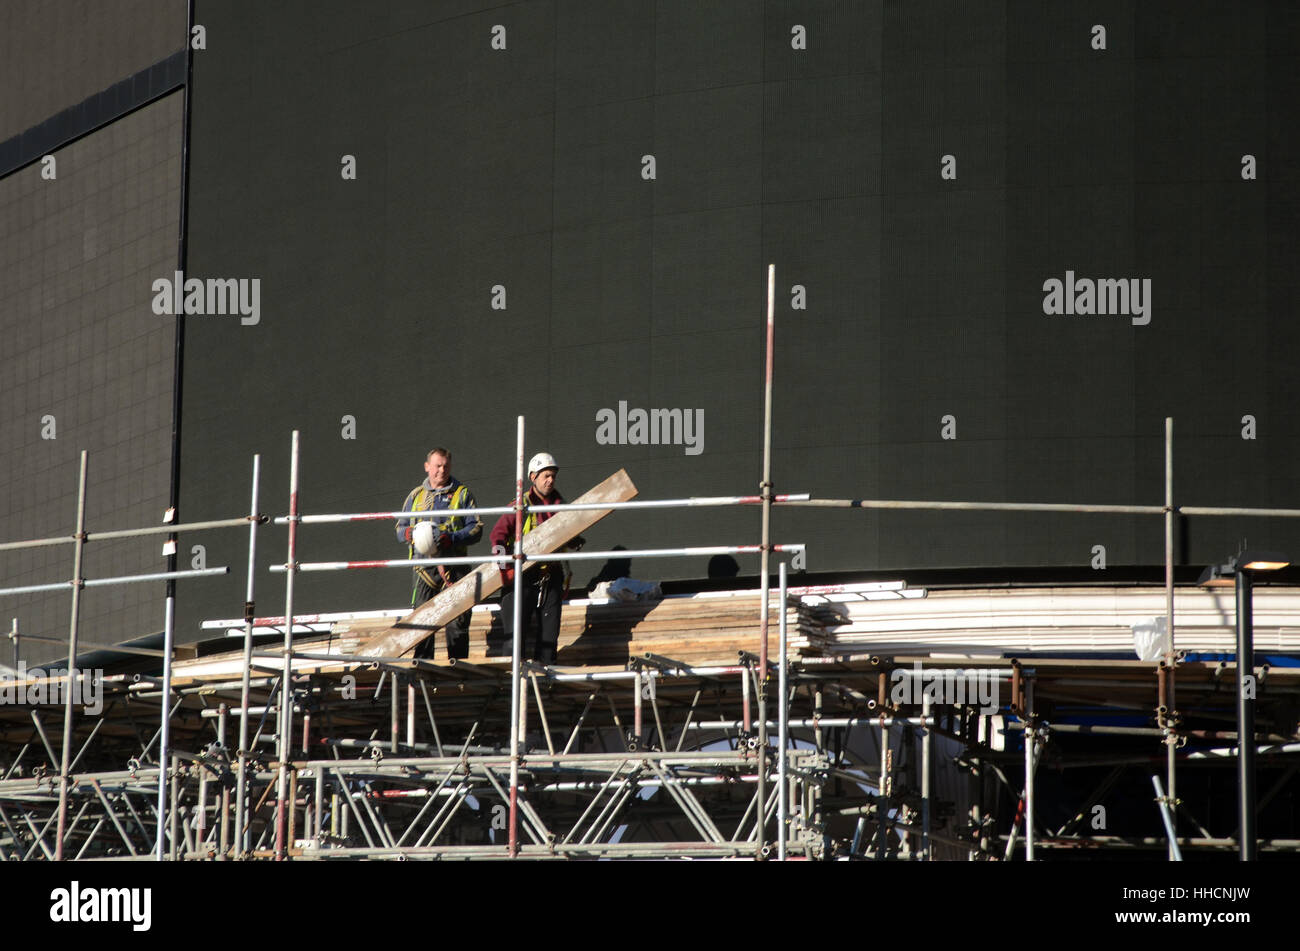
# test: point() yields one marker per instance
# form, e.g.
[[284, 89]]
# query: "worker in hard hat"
[[445, 536], [543, 585]]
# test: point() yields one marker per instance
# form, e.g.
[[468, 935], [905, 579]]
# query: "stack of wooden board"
[[716, 627], [229, 664], [1082, 619], [694, 629]]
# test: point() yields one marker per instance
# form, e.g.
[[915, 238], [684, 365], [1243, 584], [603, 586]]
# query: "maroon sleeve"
[[503, 533]]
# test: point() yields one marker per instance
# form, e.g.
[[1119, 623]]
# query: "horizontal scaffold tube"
[[538, 762], [983, 506], [801, 499], [1231, 751], [551, 850], [241, 521], [815, 722], [714, 500], [124, 579], [564, 786], [1043, 507], [565, 556], [599, 675]]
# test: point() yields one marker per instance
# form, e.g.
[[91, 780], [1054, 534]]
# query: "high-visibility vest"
[[530, 522], [530, 517], [450, 523]]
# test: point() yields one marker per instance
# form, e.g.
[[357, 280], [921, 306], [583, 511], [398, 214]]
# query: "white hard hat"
[[422, 538], [543, 460]]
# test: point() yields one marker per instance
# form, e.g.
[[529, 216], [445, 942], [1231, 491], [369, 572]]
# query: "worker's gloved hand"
[[507, 576], [444, 543]]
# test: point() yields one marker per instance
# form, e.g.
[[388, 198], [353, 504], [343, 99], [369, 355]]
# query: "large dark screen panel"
[[563, 207]]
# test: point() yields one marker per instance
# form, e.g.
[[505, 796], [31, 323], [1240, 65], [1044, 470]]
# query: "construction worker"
[[442, 536], [544, 585]]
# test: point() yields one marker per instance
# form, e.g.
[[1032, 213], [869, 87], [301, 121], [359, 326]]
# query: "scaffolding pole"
[[1171, 655], [1031, 740], [284, 802], [620, 553], [241, 792], [783, 726], [65, 762], [765, 489], [688, 502], [516, 640]]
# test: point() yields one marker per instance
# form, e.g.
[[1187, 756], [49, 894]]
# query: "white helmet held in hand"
[[423, 539], [543, 460]]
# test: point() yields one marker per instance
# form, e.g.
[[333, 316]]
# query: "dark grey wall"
[[87, 365], [522, 167], [78, 340], [55, 54]]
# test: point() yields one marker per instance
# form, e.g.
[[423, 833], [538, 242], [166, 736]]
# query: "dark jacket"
[[465, 528], [503, 535]]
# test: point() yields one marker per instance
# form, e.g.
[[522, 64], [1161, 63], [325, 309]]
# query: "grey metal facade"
[[86, 364]]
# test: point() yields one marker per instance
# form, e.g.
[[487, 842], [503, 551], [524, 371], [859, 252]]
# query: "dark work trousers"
[[541, 600], [457, 629]]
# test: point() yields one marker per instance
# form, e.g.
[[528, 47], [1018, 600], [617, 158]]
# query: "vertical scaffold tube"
[[66, 760], [1246, 839], [926, 732], [1171, 736], [765, 489], [515, 649], [241, 792], [223, 836], [410, 713], [1031, 737], [283, 802], [783, 728]]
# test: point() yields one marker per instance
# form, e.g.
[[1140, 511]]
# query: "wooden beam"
[[485, 580]]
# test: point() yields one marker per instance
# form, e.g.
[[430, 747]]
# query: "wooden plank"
[[602, 632], [485, 580]]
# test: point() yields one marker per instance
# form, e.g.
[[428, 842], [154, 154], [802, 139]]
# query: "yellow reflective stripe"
[[453, 523], [456, 522]]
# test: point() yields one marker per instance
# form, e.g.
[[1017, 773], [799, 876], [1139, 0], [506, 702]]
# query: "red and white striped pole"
[[708, 500], [765, 488], [689, 551]]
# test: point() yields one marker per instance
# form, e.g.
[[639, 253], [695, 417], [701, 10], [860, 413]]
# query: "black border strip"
[[89, 115]]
